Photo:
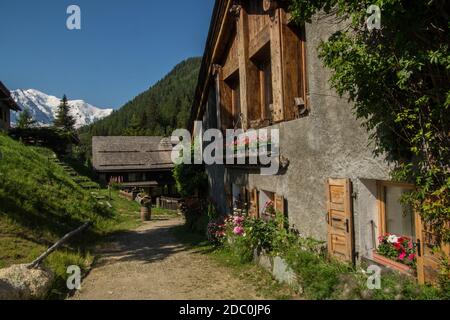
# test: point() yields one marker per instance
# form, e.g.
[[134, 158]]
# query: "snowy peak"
[[44, 107]]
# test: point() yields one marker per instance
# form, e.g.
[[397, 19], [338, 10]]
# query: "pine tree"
[[134, 127], [63, 118], [25, 119]]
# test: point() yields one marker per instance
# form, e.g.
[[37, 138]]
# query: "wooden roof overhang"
[[5, 96], [219, 30]]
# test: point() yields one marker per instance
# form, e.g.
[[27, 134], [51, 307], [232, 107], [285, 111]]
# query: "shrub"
[[195, 214], [216, 232], [261, 234], [190, 179]]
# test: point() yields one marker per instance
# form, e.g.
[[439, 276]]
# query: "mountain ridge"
[[44, 107]]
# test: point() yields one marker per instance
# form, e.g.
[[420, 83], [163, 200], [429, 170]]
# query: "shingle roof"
[[131, 153]]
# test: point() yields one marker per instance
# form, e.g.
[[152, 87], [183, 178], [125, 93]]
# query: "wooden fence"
[[168, 203]]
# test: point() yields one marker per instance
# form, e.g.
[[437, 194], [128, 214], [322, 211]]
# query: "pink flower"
[[402, 256], [411, 257], [238, 231], [238, 220]]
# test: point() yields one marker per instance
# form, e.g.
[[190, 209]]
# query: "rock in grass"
[[20, 283]]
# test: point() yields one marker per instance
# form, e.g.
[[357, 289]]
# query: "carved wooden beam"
[[236, 10], [270, 5], [215, 70]]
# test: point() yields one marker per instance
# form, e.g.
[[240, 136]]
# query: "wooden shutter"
[[279, 208], [279, 204], [254, 205], [340, 219], [429, 252]]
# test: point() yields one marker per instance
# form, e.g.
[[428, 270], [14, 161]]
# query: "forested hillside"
[[157, 111]]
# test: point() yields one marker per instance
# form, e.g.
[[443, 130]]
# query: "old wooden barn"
[[135, 163]]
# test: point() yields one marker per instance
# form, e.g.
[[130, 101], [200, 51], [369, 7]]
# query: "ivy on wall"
[[398, 78]]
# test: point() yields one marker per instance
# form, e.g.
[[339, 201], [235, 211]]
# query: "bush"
[[318, 276], [195, 214], [190, 179], [56, 139]]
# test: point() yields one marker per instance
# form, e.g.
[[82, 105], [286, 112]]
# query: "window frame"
[[381, 202]]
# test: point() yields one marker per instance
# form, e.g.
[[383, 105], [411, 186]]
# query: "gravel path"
[[150, 263]]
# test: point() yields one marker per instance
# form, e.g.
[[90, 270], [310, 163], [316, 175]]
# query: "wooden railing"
[[168, 203]]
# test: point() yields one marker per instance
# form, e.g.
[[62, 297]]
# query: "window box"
[[403, 268]]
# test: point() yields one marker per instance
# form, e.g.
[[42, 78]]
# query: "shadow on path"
[[146, 245]]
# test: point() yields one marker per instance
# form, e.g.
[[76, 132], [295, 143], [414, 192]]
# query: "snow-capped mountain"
[[44, 107]]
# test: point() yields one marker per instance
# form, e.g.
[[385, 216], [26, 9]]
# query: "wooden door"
[[340, 219], [429, 252]]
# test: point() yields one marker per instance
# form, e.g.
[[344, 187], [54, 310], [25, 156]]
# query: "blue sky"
[[124, 46]]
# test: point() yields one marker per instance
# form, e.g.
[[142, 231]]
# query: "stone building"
[[261, 71]]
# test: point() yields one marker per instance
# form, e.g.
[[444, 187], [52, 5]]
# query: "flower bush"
[[397, 248], [215, 232], [318, 276]]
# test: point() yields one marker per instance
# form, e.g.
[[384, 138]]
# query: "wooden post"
[[277, 70], [58, 244]]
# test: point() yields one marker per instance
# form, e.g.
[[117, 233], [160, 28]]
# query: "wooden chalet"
[[135, 163], [260, 70], [6, 105]]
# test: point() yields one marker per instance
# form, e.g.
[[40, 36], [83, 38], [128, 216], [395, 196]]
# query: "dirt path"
[[149, 263]]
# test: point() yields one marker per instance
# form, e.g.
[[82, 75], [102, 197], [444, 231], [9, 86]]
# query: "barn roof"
[[113, 154], [5, 96]]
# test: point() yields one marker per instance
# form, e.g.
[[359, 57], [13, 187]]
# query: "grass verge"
[[40, 202]]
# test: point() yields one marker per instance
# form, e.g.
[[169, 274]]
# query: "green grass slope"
[[40, 202]]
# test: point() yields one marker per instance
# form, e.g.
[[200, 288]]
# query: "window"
[[235, 87], [132, 177], [395, 217], [262, 61], [266, 204], [260, 114], [266, 90]]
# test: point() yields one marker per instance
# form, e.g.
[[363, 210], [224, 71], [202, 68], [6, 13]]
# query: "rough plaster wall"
[[366, 206], [329, 143], [216, 173]]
